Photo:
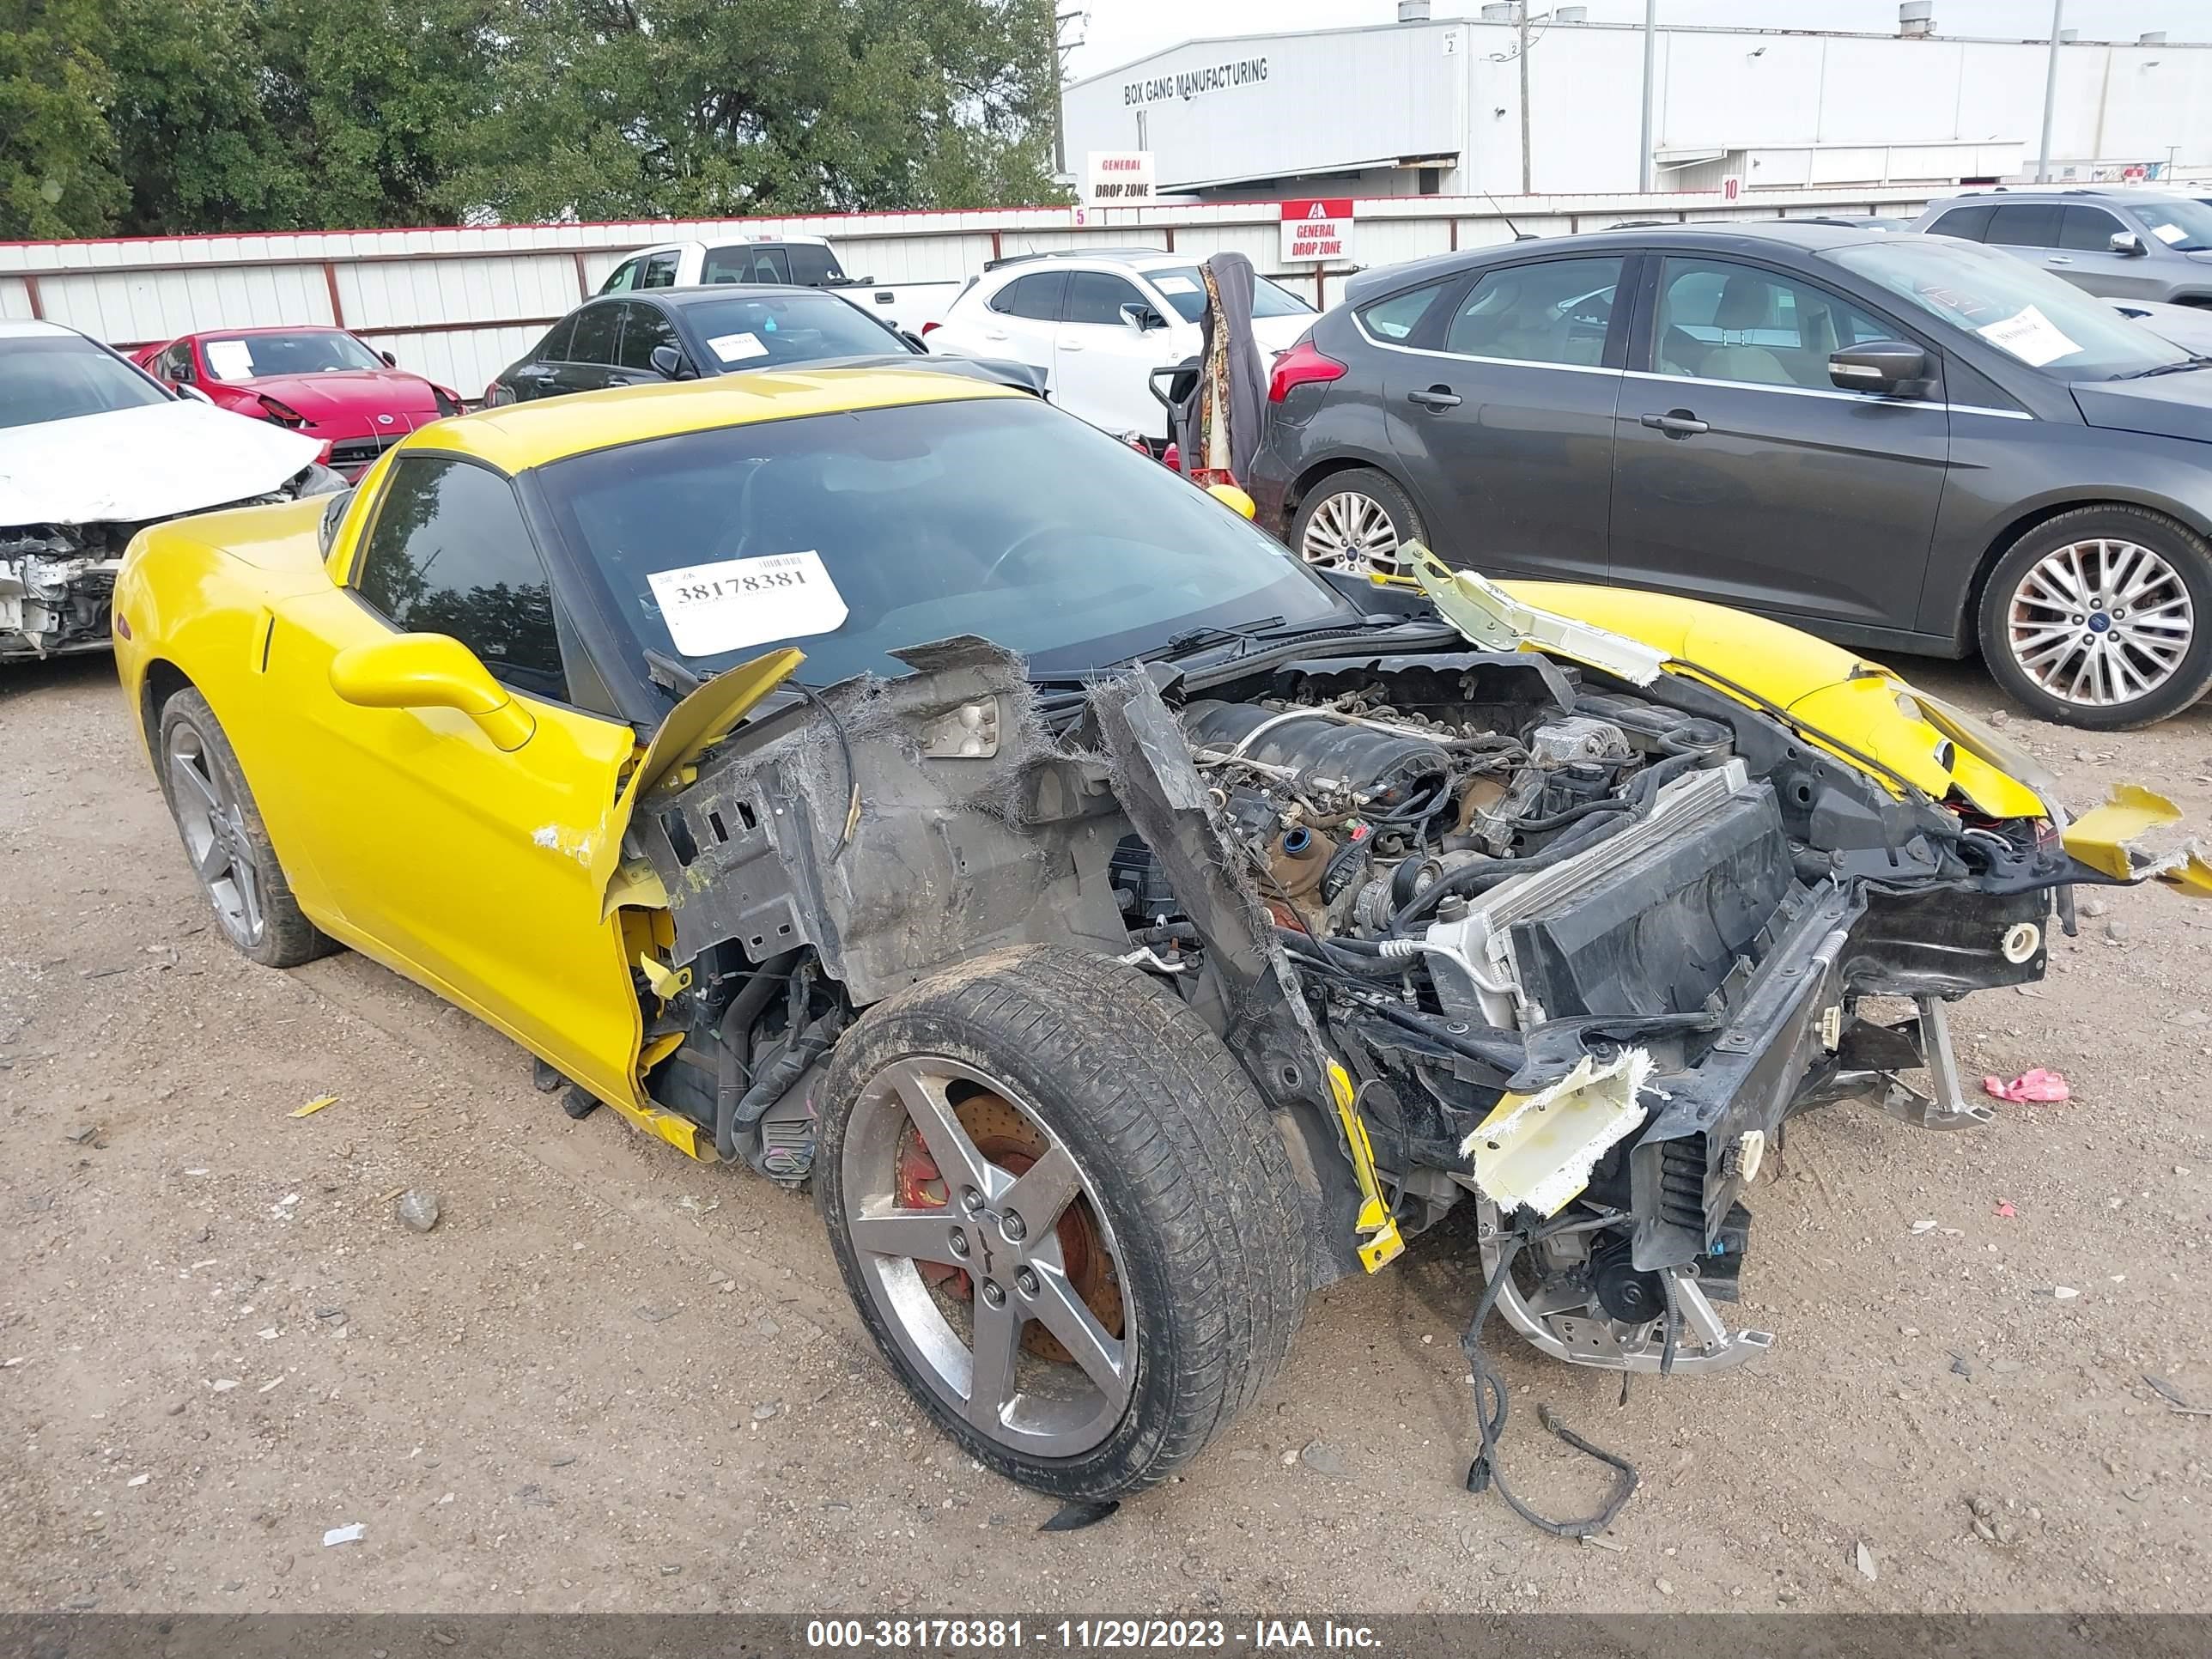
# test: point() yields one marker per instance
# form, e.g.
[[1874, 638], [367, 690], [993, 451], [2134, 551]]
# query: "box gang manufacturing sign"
[[1317, 228]]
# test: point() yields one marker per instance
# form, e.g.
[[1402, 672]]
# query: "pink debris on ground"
[[2036, 1084], [2005, 1208]]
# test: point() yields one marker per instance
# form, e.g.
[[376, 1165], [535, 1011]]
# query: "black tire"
[[273, 930], [2183, 552], [1361, 483], [1181, 1158]]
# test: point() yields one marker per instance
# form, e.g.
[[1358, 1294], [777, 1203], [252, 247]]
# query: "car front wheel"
[[2098, 618], [225, 840], [1357, 521], [1065, 1215]]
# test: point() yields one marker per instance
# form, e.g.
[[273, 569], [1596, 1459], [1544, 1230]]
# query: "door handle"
[[992, 334], [1436, 396], [1071, 346], [2058, 259], [1676, 423]]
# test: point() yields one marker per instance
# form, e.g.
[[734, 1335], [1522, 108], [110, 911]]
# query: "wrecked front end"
[[1523, 915], [57, 579], [57, 588]]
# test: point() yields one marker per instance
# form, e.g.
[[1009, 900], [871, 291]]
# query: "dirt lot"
[[613, 1380]]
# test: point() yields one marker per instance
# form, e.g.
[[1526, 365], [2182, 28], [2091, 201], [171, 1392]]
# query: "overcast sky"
[[1120, 30]]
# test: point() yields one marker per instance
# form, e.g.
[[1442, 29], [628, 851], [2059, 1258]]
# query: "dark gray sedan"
[[726, 328], [1906, 443]]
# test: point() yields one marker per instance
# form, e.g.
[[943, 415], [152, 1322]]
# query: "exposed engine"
[[1519, 906]]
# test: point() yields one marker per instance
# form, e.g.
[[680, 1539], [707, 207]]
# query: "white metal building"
[[1431, 105]]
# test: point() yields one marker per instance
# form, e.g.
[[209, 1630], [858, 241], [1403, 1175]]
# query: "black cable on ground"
[[1484, 1472]]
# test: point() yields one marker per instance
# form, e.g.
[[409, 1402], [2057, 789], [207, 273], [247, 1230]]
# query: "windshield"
[[1184, 289], [60, 378], [761, 331], [311, 351], [855, 535], [2041, 319], [2185, 227]]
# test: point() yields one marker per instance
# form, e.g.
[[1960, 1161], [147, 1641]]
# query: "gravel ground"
[[613, 1380]]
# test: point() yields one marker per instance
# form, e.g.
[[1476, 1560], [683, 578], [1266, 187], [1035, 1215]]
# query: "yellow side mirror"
[[1233, 498], [430, 671]]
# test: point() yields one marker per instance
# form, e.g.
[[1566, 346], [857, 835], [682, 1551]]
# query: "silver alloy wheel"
[[1004, 1233], [2100, 622], [213, 827], [1353, 532]]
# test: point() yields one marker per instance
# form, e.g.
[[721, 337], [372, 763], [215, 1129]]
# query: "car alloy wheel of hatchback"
[[1352, 533], [2100, 622], [988, 1258]]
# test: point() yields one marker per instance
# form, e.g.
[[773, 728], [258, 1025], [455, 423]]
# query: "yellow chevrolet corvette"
[[883, 780]]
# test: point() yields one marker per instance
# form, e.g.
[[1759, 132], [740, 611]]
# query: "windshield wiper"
[[2181, 367], [1197, 639]]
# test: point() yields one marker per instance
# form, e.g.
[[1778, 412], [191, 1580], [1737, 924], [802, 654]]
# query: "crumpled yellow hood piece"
[[1860, 705], [2105, 838]]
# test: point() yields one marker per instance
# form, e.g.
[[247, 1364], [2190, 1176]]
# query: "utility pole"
[[1521, 14], [2050, 92], [1650, 60]]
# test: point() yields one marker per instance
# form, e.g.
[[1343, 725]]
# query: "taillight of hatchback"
[[1303, 364]]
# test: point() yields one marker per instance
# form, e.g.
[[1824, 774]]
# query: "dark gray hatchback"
[[1902, 442]]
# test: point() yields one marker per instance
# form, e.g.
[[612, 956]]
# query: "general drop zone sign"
[[1316, 229], [1118, 178]]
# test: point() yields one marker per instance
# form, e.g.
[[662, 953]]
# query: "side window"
[[1718, 321], [1396, 318], [624, 278], [593, 342], [1556, 310], [728, 264], [1972, 223], [660, 271], [554, 348], [645, 327], [449, 554], [2025, 224], [2088, 229], [1037, 295], [812, 266], [1097, 296]]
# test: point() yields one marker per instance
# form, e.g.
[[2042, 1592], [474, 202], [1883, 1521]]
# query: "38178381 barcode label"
[[711, 609]]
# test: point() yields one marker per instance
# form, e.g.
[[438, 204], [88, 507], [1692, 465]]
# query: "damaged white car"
[[92, 450]]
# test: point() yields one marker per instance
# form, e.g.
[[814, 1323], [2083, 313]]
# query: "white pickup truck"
[[807, 261]]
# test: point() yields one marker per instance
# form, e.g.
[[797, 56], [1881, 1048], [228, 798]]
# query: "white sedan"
[[1097, 324]]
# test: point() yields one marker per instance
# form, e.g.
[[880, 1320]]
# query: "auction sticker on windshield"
[[713, 608], [229, 360], [736, 348], [2031, 337]]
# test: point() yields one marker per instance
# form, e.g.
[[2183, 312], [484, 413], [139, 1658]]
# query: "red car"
[[323, 382]]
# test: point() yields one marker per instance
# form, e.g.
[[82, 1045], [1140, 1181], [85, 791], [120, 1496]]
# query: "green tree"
[[375, 101], [621, 108], [192, 119], [57, 159]]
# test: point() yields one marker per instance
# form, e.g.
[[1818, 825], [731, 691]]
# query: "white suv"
[[1097, 324]]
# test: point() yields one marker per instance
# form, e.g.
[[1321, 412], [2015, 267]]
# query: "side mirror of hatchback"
[[430, 671], [389, 362], [1884, 365]]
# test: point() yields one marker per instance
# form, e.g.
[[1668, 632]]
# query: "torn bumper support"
[[52, 598]]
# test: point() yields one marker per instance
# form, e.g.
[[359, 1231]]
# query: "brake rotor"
[[1008, 1138]]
